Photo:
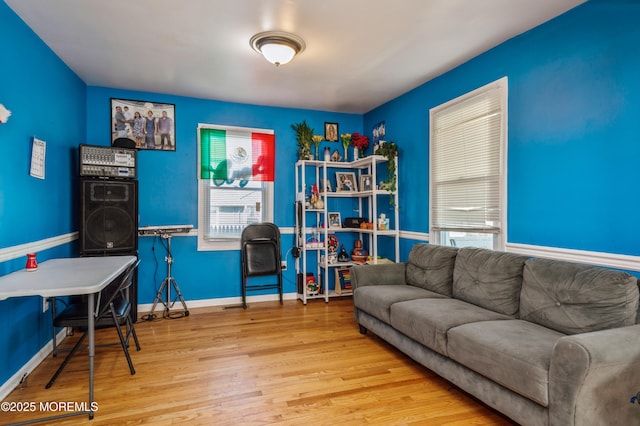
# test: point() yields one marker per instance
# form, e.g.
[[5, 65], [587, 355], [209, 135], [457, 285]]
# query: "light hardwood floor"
[[270, 364]]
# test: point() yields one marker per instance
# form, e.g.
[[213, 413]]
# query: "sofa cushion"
[[431, 267], [428, 320], [377, 300], [488, 278], [574, 298], [515, 354]]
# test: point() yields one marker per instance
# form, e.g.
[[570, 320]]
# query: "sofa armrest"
[[384, 274], [594, 377]]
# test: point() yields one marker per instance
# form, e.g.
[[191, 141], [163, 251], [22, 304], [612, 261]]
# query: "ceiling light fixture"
[[277, 47]]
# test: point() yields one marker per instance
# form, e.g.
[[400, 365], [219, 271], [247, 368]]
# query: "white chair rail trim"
[[14, 252], [413, 235], [611, 260]]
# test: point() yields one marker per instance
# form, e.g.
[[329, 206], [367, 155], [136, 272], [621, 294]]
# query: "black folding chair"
[[124, 143], [260, 256], [113, 309]]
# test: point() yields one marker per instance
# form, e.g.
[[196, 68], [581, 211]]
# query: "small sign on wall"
[[38, 153]]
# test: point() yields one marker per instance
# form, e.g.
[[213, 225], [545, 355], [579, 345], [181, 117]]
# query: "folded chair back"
[[260, 255], [112, 308]]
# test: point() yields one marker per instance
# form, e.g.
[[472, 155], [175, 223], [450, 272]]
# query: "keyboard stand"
[[168, 283]]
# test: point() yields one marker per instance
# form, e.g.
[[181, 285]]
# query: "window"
[[468, 169], [235, 183]]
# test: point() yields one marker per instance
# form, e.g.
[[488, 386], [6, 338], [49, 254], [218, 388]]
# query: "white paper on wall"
[[38, 153]]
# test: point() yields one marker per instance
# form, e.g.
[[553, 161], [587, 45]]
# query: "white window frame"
[[500, 237], [204, 186]]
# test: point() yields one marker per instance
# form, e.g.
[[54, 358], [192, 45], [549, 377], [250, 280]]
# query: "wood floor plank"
[[271, 364]]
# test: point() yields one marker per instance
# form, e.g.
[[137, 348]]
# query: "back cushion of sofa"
[[574, 298], [430, 267], [488, 278]]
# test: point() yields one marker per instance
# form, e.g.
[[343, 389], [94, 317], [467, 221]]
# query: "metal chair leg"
[[131, 331], [244, 293], [123, 343], [66, 361]]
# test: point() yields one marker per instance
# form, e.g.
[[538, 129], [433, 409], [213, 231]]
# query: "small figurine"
[[383, 222], [343, 256], [358, 253], [313, 199], [312, 285]]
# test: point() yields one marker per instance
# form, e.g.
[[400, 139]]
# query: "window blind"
[[231, 208], [466, 139]]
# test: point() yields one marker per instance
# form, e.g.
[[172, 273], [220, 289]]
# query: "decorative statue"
[[358, 253], [343, 256]]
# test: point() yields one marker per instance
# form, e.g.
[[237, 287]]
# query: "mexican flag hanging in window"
[[229, 154]]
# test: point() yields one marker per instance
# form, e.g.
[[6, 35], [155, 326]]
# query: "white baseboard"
[[226, 301], [14, 381]]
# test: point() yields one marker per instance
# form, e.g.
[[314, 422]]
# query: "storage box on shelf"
[[316, 230]]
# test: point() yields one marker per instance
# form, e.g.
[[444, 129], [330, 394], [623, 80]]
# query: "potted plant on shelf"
[[359, 143], [389, 150], [304, 134]]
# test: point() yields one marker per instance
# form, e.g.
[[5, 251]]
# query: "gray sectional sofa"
[[545, 342]]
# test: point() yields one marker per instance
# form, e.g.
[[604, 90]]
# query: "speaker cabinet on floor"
[[109, 217]]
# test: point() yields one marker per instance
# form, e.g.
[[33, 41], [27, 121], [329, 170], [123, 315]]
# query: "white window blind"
[[467, 172], [231, 207]]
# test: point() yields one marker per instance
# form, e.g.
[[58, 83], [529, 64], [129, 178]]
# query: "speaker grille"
[[109, 217], [109, 227]]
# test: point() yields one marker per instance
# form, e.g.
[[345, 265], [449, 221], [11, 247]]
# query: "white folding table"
[[69, 277]]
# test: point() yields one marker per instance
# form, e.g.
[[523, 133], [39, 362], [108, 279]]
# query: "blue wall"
[[574, 140], [168, 186], [48, 101]]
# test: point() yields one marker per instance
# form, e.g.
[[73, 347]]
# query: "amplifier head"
[[107, 161]]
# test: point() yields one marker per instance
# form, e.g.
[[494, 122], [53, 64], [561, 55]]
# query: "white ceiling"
[[359, 54]]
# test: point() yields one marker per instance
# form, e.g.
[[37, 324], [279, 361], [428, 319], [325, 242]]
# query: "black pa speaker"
[[109, 217]]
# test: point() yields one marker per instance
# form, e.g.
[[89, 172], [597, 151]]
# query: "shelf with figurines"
[[344, 200]]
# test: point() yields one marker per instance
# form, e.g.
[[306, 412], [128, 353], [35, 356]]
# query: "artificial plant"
[[304, 135], [389, 150]]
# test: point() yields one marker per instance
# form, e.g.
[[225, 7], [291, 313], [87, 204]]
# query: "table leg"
[[92, 347], [91, 323]]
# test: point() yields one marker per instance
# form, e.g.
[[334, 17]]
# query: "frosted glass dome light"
[[277, 47]]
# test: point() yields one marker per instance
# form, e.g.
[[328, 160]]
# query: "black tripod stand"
[[167, 283]]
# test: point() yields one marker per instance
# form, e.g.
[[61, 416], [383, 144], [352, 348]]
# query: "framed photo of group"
[[346, 182], [150, 125]]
